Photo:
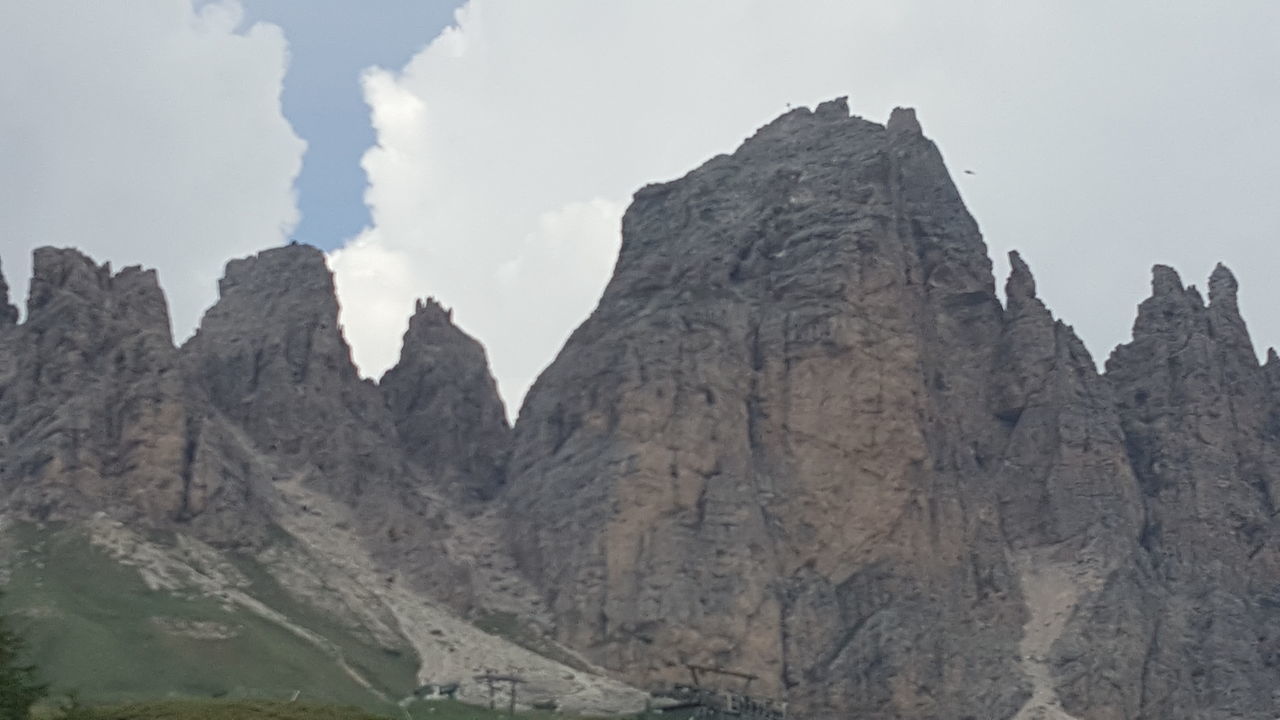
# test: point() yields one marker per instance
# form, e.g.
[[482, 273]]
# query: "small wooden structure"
[[447, 691], [493, 680], [696, 670], [706, 703]]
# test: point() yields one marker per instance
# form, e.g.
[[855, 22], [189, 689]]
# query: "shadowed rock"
[[8, 313], [445, 404]]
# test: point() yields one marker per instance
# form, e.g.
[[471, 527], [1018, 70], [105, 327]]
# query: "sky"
[[483, 153], [331, 43]]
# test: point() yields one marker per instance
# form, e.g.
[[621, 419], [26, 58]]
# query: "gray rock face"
[[8, 313], [91, 401], [1070, 512], [801, 438], [1200, 421], [445, 404], [270, 356], [259, 438], [101, 413], [762, 451], [100, 418]]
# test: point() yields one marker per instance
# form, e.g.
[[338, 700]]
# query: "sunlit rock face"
[[91, 398], [801, 438]]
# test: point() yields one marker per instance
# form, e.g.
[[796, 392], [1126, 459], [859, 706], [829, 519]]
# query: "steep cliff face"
[[92, 399], [8, 312], [445, 404], [284, 491], [262, 406], [768, 447], [1071, 515], [1200, 420], [270, 357], [800, 437]]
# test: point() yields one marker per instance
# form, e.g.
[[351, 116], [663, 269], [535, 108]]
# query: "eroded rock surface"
[[102, 413], [800, 437], [1200, 421], [259, 439], [270, 356], [445, 404], [768, 449], [92, 398]]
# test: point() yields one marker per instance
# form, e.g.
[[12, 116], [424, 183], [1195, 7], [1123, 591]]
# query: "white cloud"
[[143, 133], [1105, 138]]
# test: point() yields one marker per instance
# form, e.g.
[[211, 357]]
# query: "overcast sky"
[[501, 145]]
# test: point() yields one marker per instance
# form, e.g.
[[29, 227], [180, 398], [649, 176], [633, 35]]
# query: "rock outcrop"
[[91, 403], [270, 356], [1200, 422], [102, 413], [257, 440], [801, 438], [762, 452], [445, 404], [8, 312]]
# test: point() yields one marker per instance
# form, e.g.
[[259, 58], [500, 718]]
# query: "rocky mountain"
[[801, 438], [253, 468], [445, 404]]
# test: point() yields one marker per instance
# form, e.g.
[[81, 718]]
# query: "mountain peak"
[[445, 404], [1021, 285], [1223, 286], [8, 311], [903, 121], [1165, 281], [430, 311]]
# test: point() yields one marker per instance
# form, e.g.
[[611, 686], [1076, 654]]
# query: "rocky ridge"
[[800, 437], [258, 440]]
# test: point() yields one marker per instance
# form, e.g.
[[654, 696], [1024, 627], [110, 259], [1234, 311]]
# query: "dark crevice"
[[190, 446]]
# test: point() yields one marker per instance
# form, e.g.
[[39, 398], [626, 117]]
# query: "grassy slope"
[[92, 628], [275, 710], [395, 673]]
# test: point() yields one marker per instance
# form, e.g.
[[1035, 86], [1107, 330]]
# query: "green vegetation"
[[19, 686], [212, 710], [277, 710], [115, 649], [95, 627], [394, 671]]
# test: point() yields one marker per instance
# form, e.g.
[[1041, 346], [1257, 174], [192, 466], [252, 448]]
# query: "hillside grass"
[[393, 671], [96, 629], [276, 710]]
